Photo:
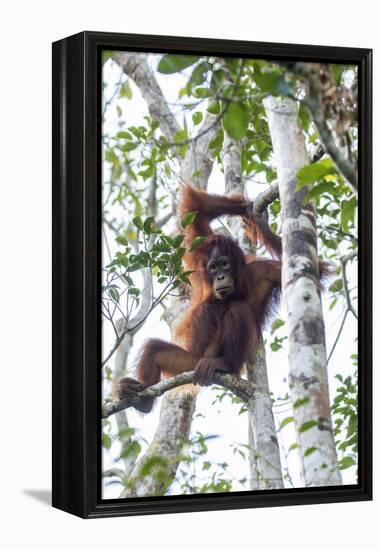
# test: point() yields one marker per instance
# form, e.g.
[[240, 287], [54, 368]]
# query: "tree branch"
[[240, 387], [197, 158], [264, 199], [344, 260], [267, 197], [136, 67], [314, 102], [338, 335], [132, 325]]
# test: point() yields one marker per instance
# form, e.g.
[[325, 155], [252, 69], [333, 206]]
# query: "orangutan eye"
[[225, 264], [212, 267]]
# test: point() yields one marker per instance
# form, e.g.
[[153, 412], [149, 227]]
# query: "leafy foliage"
[[345, 415]]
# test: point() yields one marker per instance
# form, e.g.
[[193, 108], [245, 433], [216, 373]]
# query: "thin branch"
[[341, 232], [240, 387], [114, 472], [344, 262], [132, 325], [350, 256], [267, 197], [111, 99], [338, 335], [349, 308], [160, 223]]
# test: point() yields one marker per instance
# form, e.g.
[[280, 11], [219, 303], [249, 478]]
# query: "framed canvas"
[[211, 274]]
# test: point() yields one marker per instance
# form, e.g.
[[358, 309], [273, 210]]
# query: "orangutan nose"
[[220, 277]]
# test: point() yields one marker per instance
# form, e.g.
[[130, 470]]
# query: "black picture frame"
[[76, 274]]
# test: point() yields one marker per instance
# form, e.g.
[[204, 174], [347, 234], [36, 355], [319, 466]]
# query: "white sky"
[[223, 420]]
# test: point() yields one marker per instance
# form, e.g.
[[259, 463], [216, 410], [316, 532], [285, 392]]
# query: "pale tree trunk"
[[253, 466], [177, 406], [265, 466], [261, 418], [197, 165], [173, 429], [307, 352]]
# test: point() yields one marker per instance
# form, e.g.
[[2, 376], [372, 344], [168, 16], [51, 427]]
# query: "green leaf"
[[188, 219], [148, 173], [286, 421], [199, 74], [134, 292], [106, 441], [152, 463], [132, 449], [277, 324], [314, 172], [304, 117], [337, 71], [178, 254], [336, 286], [235, 120], [307, 425], [113, 292], [276, 345], [180, 136], [138, 222], [217, 141], [197, 117], [309, 451], [300, 402], [177, 241], [124, 135], [171, 63], [319, 189], [184, 277], [128, 146], [347, 462], [106, 55], [197, 241], [272, 82], [122, 240], [202, 92], [125, 90], [213, 107], [217, 79], [126, 432], [122, 259], [347, 212], [168, 240], [147, 226]]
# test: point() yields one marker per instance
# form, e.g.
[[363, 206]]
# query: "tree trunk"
[[261, 418], [301, 294], [176, 415], [265, 466]]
